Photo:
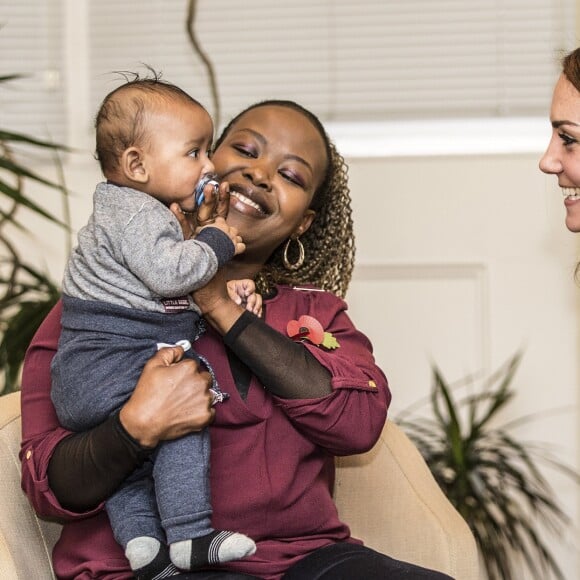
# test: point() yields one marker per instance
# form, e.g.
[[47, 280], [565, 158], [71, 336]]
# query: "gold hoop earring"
[[300, 260]]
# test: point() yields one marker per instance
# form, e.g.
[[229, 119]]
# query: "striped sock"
[[214, 548], [149, 559]]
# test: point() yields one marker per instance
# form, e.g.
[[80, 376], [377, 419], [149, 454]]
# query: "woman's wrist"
[[136, 427], [222, 314]]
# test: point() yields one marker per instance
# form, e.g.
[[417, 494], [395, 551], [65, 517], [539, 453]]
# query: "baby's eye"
[[194, 153], [567, 139]]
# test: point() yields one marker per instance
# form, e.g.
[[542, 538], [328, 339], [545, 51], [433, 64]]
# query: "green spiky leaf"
[[492, 479]]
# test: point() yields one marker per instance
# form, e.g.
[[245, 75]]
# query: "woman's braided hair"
[[329, 242]]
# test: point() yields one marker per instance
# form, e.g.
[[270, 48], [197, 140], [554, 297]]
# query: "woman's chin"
[[572, 205], [243, 219], [573, 222]]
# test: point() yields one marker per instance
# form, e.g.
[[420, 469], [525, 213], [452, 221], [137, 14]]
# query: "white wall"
[[462, 260]]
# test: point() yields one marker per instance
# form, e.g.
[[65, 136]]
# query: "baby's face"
[[176, 152]]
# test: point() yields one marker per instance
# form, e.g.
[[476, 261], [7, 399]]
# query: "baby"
[[127, 292]]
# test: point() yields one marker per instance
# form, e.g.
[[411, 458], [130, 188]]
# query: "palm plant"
[[26, 294], [492, 479]]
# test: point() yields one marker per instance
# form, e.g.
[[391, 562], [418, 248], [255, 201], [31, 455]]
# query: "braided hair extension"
[[329, 244]]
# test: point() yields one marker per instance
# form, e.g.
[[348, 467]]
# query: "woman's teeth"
[[246, 200], [572, 193]]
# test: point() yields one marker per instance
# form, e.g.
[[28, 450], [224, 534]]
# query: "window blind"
[[364, 60], [30, 45], [347, 61]]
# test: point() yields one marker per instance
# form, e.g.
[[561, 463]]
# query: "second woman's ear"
[[307, 218], [133, 165]]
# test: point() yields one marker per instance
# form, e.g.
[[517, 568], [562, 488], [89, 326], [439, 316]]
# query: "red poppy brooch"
[[308, 328]]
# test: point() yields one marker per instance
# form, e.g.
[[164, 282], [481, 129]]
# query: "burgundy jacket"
[[272, 459]]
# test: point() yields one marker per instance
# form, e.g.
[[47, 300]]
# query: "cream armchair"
[[388, 496]]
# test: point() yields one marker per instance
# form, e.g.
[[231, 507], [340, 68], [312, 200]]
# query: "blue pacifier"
[[207, 178]]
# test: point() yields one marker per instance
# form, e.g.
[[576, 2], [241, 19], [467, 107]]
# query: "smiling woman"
[[562, 157], [295, 403], [306, 169]]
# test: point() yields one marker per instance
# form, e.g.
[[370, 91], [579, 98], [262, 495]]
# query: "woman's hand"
[[171, 399]]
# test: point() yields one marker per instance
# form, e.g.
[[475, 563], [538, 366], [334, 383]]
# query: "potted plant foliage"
[[26, 294], [491, 478]]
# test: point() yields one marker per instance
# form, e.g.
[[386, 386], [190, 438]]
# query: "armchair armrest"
[[388, 496], [25, 541], [392, 502]]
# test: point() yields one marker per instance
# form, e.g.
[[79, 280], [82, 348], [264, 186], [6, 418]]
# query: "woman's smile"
[[247, 202], [572, 194]]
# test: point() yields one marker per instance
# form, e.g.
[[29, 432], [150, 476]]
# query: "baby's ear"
[[133, 165]]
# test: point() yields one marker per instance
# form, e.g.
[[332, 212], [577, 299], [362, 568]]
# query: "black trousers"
[[338, 562]]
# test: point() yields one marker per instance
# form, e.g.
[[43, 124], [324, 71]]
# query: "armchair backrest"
[[389, 498]]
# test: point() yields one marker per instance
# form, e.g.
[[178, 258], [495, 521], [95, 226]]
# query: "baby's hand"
[[221, 224], [243, 292], [215, 204], [186, 221]]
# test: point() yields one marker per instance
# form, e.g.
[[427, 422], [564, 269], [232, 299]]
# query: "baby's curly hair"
[[121, 119], [329, 245]]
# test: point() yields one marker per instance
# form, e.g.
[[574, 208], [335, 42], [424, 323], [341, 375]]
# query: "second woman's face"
[[562, 157], [274, 159]]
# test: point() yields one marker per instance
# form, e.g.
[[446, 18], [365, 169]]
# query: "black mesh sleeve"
[[284, 368], [86, 468]]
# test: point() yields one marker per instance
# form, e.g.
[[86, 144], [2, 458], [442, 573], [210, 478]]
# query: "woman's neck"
[[238, 269]]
